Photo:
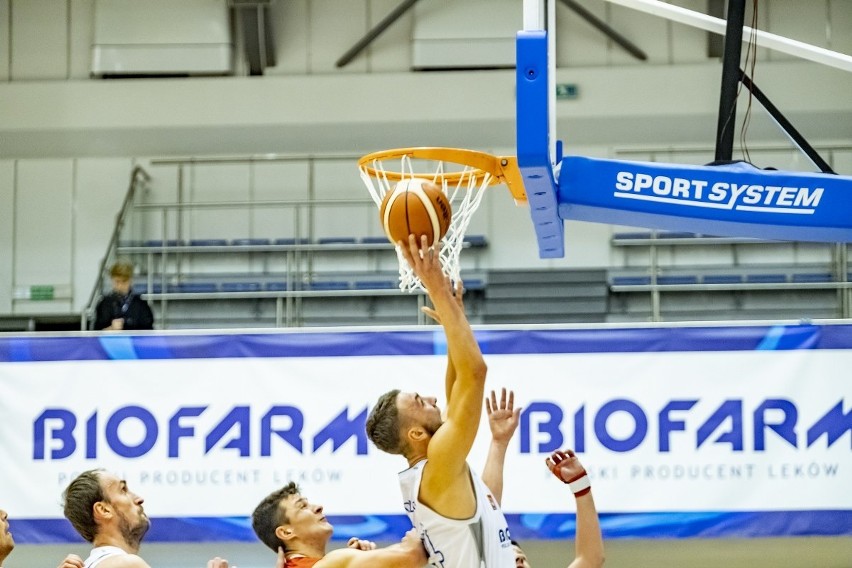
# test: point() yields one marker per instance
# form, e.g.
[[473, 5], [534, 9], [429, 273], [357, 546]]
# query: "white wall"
[[68, 143], [56, 217]]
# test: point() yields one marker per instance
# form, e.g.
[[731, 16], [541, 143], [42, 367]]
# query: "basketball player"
[[7, 543], [458, 519], [287, 523], [107, 514], [503, 421]]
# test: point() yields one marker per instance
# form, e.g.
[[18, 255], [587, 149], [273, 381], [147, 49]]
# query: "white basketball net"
[[464, 196]]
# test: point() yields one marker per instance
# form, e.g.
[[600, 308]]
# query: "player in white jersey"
[[503, 421], [458, 518], [107, 514]]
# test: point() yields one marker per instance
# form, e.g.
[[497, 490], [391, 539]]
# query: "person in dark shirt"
[[121, 308]]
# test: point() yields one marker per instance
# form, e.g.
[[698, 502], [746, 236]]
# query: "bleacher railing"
[[139, 179]]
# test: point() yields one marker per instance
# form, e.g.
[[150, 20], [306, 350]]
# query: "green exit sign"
[[567, 91]]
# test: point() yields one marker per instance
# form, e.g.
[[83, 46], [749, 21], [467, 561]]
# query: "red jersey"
[[301, 562]]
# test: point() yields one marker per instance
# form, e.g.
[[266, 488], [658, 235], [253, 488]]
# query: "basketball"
[[415, 206]]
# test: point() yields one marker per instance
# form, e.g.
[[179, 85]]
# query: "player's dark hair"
[[78, 502], [383, 424], [268, 516]]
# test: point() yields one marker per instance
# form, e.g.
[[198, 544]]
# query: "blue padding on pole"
[[731, 200], [533, 142]]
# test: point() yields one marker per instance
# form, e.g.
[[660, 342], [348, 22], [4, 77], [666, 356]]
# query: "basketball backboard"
[[736, 199]]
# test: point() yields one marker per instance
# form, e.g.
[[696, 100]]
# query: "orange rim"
[[503, 169]]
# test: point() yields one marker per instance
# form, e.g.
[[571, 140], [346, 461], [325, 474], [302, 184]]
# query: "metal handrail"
[[138, 178], [266, 203]]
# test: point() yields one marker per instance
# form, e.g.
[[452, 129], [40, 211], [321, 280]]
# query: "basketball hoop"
[[461, 174]]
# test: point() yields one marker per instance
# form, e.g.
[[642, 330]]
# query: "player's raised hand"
[[568, 469], [426, 262], [503, 417]]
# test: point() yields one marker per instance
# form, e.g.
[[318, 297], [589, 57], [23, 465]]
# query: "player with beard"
[[455, 513], [109, 515]]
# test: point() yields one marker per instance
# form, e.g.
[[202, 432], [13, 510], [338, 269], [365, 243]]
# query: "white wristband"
[[580, 484]]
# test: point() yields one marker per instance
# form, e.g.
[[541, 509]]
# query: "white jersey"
[[100, 553], [481, 541]]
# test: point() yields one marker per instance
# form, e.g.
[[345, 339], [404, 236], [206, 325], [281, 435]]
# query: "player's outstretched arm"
[[503, 421], [450, 378], [589, 541], [451, 444], [408, 553]]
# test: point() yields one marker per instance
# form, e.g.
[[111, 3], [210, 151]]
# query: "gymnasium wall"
[[68, 142]]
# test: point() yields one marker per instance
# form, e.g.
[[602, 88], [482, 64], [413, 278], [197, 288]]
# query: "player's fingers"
[[570, 453], [494, 400], [431, 313], [405, 250], [414, 250], [488, 406]]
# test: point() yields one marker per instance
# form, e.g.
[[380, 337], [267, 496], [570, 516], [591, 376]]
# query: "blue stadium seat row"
[[232, 287], [769, 278], [471, 240]]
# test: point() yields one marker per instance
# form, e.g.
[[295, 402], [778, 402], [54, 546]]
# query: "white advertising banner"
[[683, 436]]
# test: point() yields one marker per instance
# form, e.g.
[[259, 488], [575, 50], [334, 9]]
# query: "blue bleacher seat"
[[723, 279], [813, 277], [632, 235], [375, 285], [250, 242], [193, 288], [291, 241], [646, 235], [336, 241], [240, 287], [142, 288], [208, 243], [168, 243], [476, 240], [474, 284], [631, 280], [277, 287], [329, 285], [676, 235], [669, 280], [765, 278], [374, 240]]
